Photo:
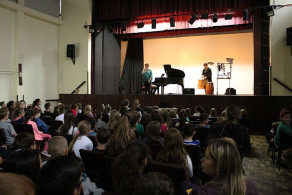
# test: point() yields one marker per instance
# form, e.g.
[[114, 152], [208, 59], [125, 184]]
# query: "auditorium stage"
[[262, 109]]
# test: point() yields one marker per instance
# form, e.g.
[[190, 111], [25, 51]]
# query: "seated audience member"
[[42, 126], [125, 103], [37, 104], [105, 115], [15, 184], [145, 120], [102, 138], [8, 128], [283, 138], [128, 168], [134, 118], [74, 109], [182, 119], [189, 113], [189, 132], [114, 120], [88, 111], [167, 120], [136, 107], [69, 126], [24, 141], [79, 107], [22, 104], [56, 112], [62, 111], [153, 133], [198, 110], [24, 162], [120, 138], [11, 107], [48, 108], [156, 184], [80, 140], [173, 151], [223, 116], [92, 122], [58, 146], [38, 135], [231, 128], [18, 116], [204, 120], [60, 176], [2, 104], [124, 110], [213, 113], [100, 124], [222, 162]]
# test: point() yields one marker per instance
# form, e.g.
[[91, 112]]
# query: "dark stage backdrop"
[[262, 109]]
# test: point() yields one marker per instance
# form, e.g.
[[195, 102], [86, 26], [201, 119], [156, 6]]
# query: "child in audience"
[[198, 111], [11, 107], [173, 151], [80, 140], [38, 135], [189, 132], [18, 116], [88, 111], [213, 113], [223, 163], [42, 126], [204, 120], [24, 141], [48, 108], [2, 104], [8, 128], [102, 138], [37, 104], [74, 109], [62, 110], [114, 119], [58, 146], [153, 133], [69, 126], [135, 126], [92, 122], [100, 124]]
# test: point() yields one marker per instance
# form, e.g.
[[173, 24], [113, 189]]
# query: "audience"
[[42, 126], [204, 120], [213, 113], [69, 124], [114, 119], [58, 146], [100, 124], [153, 133], [88, 111], [37, 104], [8, 128], [102, 138], [189, 132], [24, 141], [11, 107], [48, 108], [18, 116], [62, 110]]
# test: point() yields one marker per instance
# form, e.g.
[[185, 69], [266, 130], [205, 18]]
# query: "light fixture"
[[124, 26], [153, 23], [172, 22], [215, 18], [228, 17], [193, 19], [270, 11], [245, 15], [204, 15], [140, 24]]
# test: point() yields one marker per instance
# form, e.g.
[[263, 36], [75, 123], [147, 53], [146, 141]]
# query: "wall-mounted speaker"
[[71, 52], [289, 36]]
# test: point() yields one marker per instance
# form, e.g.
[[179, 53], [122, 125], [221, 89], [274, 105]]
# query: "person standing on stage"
[[207, 73], [147, 78]]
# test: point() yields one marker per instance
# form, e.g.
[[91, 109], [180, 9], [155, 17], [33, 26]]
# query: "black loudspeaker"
[[230, 91], [189, 91], [289, 36], [153, 23], [70, 51]]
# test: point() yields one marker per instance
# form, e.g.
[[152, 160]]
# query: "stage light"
[[124, 26], [140, 25], [172, 22], [215, 18], [204, 15], [193, 19], [245, 15], [228, 17], [154, 23]]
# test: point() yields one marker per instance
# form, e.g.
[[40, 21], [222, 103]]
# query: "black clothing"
[[207, 73]]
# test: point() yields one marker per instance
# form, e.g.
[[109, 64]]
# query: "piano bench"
[[153, 89]]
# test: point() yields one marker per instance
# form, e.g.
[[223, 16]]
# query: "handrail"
[[78, 87], [285, 86]]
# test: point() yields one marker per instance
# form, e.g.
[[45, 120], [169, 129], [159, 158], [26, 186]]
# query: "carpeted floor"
[[260, 170]]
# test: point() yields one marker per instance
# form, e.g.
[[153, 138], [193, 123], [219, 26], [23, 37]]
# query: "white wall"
[[281, 56], [75, 14]]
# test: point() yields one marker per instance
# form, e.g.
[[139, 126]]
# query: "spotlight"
[[124, 26], [228, 17], [154, 23], [245, 15], [172, 22], [204, 15], [193, 19], [215, 18], [140, 25]]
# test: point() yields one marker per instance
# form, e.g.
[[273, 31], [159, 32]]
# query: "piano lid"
[[171, 72]]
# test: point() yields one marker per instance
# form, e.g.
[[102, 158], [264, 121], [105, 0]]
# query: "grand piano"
[[174, 76]]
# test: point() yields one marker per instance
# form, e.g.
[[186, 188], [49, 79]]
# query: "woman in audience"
[[38, 135], [80, 140], [42, 126], [102, 138], [8, 128], [121, 137], [60, 176], [128, 168], [135, 126], [167, 120], [14, 184], [173, 151], [11, 107], [114, 119], [37, 104], [18, 116], [145, 120], [24, 162], [69, 126], [153, 133], [213, 113], [88, 111], [222, 162]]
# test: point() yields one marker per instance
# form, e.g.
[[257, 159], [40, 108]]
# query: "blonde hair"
[[14, 184], [57, 146], [87, 109], [114, 119], [84, 129], [136, 104], [227, 161]]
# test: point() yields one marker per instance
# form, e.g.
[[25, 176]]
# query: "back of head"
[[189, 130], [24, 162], [92, 122], [14, 184], [103, 136], [139, 151], [203, 117], [199, 109], [155, 183], [58, 146], [47, 106], [227, 161], [3, 113], [233, 112], [125, 102], [133, 118], [28, 116], [24, 140], [74, 106], [153, 131], [62, 108], [156, 115], [213, 112], [59, 176]]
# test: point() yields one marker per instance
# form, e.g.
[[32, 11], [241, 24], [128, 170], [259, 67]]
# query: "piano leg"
[[162, 90]]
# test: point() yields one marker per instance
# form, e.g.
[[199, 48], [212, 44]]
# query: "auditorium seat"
[[195, 154], [154, 148]]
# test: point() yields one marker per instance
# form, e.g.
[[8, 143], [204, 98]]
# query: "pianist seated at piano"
[[147, 78]]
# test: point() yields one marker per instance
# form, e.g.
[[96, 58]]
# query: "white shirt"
[[190, 166], [60, 118], [72, 130], [82, 142]]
